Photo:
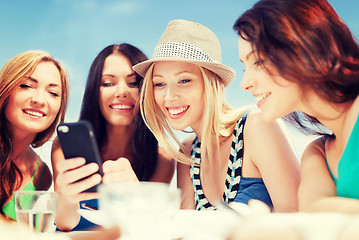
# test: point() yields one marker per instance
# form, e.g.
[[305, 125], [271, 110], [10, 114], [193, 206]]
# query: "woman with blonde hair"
[[33, 100], [234, 155]]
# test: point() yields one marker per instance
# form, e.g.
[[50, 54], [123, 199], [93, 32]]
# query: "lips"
[[261, 98], [34, 113]]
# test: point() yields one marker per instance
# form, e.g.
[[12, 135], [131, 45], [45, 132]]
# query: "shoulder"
[[256, 127], [314, 150], [187, 145], [254, 119]]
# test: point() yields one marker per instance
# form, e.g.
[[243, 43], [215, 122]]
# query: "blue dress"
[[237, 188]]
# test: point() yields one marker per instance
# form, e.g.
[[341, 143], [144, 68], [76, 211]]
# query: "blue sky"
[[74, 31]]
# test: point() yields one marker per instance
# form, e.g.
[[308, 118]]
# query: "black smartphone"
[[77, 139]]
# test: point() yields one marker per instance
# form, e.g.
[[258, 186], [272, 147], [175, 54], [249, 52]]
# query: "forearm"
[[332, 204], [67, 216]]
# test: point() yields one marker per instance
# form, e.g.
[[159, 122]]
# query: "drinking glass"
[[143, 210], [36, 209]]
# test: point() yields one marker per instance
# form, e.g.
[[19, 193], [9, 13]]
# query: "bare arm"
[[184, 181], [165, 168], [317, 191], [268, 148]]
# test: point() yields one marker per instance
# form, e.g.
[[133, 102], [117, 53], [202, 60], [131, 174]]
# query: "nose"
[[39, 98], [171, 93], [122, 90], [247, 82]]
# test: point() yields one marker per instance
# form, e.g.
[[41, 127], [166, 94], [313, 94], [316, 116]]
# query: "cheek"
[[12, 104], [158, 96], [103, 96], [55, 104], [9, 109], [135, 95]]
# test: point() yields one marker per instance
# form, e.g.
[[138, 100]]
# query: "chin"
[[38, 125], [268, 116], [177, 127]]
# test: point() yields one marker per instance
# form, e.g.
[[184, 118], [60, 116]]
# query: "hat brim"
[[226, 73]]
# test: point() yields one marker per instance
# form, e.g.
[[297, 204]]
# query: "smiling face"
[[118, 91], [35, 104], [179, 93], [276, 96]]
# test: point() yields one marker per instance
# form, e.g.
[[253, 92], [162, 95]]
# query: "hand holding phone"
[[77, 139]]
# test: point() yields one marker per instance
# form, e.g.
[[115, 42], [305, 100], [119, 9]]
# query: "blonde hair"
[[218, 116]]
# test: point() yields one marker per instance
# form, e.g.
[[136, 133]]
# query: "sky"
[[75, 31]]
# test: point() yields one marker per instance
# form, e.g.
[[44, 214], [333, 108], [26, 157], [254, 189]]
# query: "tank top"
[[9, 208], [348, 167], [237, 188]]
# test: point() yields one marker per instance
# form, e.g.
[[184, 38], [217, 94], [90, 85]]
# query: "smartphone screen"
[[77, 139]]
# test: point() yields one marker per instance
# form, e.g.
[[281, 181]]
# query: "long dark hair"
[[307, 43], [144, 143]]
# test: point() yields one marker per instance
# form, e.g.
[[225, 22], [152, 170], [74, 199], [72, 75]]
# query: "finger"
[[120, 176], [119, 164], [77, 174], [69, 164], [78, 187]]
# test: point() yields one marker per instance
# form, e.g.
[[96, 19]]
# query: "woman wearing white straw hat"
[[184, 87]]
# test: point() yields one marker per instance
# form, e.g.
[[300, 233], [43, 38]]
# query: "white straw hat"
[[190, 42]]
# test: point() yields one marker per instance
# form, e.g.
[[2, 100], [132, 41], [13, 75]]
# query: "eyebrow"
[[36, 81], [111, 75], [179, 73], [248, 56]]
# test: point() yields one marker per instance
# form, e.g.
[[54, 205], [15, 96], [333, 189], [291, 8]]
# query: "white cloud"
[[125, 7]]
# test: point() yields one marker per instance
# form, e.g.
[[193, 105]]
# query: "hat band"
[[182, 50]]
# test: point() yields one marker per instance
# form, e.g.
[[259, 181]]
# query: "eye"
[[258, 63], [106, 84], [55, 94], [158, 84], [25, 85], [185, 81], [133, 84]]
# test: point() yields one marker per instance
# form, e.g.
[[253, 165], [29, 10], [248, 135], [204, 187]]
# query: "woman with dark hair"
[[300, 56], [110, 104], [33, 100]]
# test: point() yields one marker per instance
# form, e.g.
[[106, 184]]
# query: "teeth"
[[121, 106], [175, 111], [33, 113], [261, 97]]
